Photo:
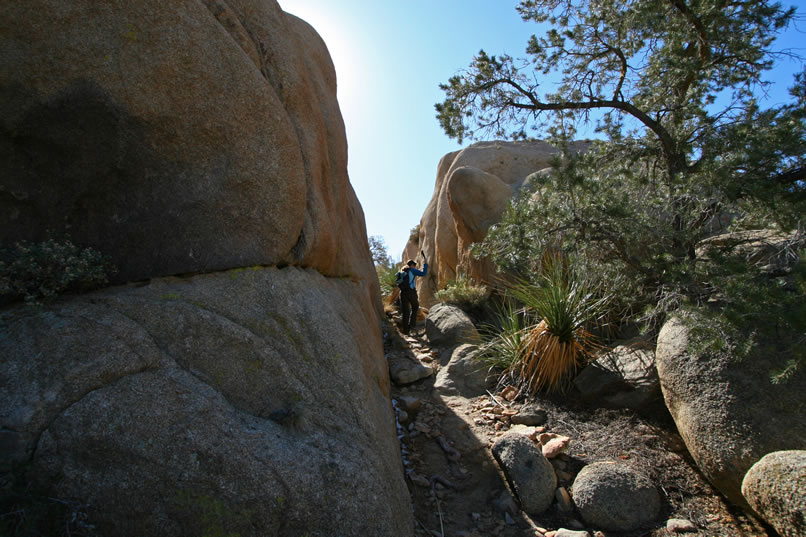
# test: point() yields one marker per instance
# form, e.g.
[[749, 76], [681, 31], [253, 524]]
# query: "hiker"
[[409, 303]]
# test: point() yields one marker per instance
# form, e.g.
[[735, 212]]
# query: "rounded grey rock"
[[530, 415], [448, 325], [528, 472], [615, 497], [775, 487]]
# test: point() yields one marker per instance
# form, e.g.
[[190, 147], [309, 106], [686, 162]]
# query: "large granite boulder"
[[727, 410], [473, 187], [175, 137], [186, 138], [257, 394], [774, 487]]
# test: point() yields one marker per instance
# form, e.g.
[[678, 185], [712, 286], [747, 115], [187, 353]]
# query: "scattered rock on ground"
[[448, 325], [409, 403], [680, 525], [775, 487], [530, 415], [479, 507], [553, 445], [529, 473], [614, 496], [530, 432], [405, 370], [562, 532], [509, 393]]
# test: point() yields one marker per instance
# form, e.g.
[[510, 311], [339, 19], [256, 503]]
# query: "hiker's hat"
[[410, 262]]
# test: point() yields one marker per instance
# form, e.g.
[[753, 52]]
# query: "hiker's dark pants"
[[410, 306]]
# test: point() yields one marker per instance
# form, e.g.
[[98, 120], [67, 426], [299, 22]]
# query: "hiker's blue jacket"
[[412, 272]]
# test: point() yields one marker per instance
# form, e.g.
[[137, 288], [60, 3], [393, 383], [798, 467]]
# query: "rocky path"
[[459, 490]]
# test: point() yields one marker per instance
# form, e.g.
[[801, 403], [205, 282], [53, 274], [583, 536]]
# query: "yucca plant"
[[562, 305], [503, 337], [386, 279]]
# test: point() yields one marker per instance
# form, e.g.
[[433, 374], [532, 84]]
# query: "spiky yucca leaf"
[[503, 338]]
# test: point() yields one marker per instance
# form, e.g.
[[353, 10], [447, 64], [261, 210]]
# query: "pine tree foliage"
[[684, 151]]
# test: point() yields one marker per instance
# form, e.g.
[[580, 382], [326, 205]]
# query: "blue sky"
[[390, 58]]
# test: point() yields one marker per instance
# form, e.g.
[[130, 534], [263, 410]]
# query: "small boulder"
[[528, 472], [615, 497], [775, 487], [448, 325], [625, 377], [530, 415], [464, 375], [680, 525], [404, 370]]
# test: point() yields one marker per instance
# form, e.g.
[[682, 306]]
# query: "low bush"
[[37, 272], [463, 293], [503, 338]]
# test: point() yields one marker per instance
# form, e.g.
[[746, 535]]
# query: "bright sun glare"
[[334, 31]]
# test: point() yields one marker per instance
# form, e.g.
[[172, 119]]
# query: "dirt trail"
[[458, 489]]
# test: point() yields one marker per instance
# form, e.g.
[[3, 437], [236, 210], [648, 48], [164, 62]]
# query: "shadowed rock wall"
[[183, 138], [176, 137], [256, 394]]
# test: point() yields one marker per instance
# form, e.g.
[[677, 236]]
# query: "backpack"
[[402, 279]]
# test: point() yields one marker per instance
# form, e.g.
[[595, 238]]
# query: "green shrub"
[[754, 310], [37, 272], [414, 234], [463, 292]]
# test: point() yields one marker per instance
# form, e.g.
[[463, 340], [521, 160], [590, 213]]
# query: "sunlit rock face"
[[239, 386], [473, 187]]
